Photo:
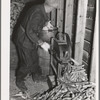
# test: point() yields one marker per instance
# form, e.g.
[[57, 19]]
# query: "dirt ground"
[[33, 86]]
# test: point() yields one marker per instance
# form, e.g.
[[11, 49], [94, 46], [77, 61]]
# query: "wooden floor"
[[33, 87]]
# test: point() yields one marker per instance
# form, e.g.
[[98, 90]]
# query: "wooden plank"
[[53, 17], [60, 14], [80, 30], [88, 35], [75, 7], [69, 17], [89, 23], [74, 19], [87, 46], [90, 12], [73, 29], [91, 3], [94, 61], [86, 56]]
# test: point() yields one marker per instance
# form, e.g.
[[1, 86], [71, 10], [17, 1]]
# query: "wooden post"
[[53, 17], [80, 30], [94, 51], [60, 14], [69, 17]]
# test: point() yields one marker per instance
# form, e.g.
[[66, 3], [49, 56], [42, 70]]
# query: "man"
[[27, 40]]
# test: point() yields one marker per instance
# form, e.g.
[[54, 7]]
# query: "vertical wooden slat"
[[89, 31], [60, 13], [94, 62], [80, 30], [53, 17], [91, 3], [88, 35], [89, 23], [69, 16], [90, 12], [87, 46]]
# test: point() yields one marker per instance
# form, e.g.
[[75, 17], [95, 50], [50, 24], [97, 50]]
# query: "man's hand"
[[45, 46], [40, 42], [48, 26]]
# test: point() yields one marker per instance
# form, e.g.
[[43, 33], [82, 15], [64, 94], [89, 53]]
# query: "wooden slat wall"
[[76, 17], [69, 17], [54, 17], [80, 30], [89, 34], [94, 52], [62, 17]]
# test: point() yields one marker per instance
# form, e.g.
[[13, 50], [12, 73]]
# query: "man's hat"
[[52, 3]]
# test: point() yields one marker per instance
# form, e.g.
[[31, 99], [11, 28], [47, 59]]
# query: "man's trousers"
[[28, 63]]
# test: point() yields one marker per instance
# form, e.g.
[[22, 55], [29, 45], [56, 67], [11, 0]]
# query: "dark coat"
[[31, 26]]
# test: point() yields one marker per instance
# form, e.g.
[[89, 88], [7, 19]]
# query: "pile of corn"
[[74, 73], [72, 86], [61, 92], [16, 8]]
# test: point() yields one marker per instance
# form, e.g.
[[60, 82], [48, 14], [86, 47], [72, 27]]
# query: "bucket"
[[44, 61]]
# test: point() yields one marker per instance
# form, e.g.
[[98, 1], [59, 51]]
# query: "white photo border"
[[5, 50]]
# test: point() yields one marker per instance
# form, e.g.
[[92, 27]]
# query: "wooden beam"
[[88, 35], [91, 3], [90, 12], [69, 17], [53, 17], [60, 14], [94, 62], [80, 30], [87, 46], [89, 23]]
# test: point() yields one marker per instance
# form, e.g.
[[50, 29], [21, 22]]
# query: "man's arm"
[[33, 28]]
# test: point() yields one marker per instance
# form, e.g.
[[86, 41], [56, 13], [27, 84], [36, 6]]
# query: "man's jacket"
[[31, 26]]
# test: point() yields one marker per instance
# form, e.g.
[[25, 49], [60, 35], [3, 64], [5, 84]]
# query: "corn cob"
[[16, 8], [74, 80]]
